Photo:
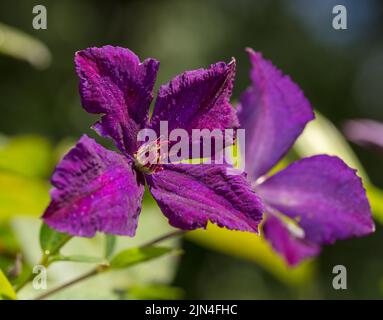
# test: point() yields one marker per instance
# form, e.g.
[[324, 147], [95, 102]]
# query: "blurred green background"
[[341, 72]]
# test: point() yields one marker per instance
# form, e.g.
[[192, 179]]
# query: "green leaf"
[[26, 155], [152, 292], [252, 247], [6, 289], [20, 45], [152, 226], [375, 196], [110, 245], [8, 242], [50, 240], [21, 196], [133, 256], [25, 162]]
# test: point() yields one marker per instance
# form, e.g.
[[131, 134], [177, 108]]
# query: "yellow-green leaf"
[[6, 289], [22, 196], [375, 196], [27, 155], [133, 256], [252, 247], [21, 45], [153, 292]]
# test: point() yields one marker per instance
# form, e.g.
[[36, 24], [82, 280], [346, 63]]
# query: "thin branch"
[[102, 268], [68, 284], [45, 261], [172, 234]]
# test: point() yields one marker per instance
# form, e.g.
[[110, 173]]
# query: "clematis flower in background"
[[365, 132], [314, 201], [96, 189]]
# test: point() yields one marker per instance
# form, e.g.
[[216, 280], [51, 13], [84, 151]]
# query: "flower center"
[[150, 155]]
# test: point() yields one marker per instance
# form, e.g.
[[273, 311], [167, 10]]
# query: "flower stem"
[[104, 267], [23, 283], [44, 261], [68, 284], [169, 235]]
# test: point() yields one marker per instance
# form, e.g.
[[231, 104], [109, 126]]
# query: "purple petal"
[[292, 247], [197, 99], [115, 83], [274, 112], [191, 195], [94, 190], [365, 132], [324, 195]]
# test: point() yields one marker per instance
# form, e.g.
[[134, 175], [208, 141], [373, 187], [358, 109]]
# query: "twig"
[[102, 268], [172, 234], [68, 284], [45, 261]]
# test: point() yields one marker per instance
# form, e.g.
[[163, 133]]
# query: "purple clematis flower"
[[96, 189], [314, 201]]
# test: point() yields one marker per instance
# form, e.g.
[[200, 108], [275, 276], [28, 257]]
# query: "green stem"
[[23, 283], [104, 267], [169, 235], [70, 283], [44, 261]]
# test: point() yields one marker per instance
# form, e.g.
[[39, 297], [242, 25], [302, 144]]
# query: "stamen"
[[150, 156], [292, 224]]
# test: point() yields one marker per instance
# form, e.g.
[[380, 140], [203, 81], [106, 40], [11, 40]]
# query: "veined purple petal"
[[114, 82], [197, 99], [324, 195], [94, 190], [292, 247], [191, 195], [274, 112]]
